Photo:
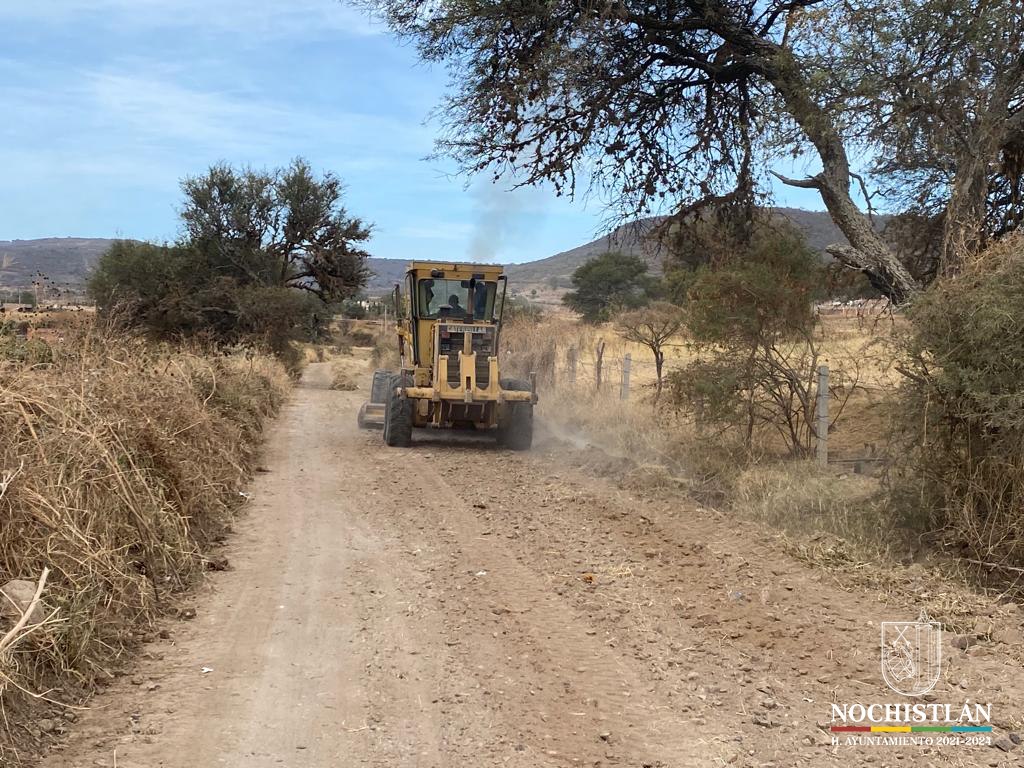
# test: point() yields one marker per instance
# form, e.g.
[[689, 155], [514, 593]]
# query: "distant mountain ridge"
[[65, 261], [68, 261], [817, 226]]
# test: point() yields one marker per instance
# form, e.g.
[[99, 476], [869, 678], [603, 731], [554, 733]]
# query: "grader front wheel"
[[517, 434], [515, 430], [398, 412]]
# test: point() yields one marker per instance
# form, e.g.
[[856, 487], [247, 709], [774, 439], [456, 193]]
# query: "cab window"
[[440, 298]]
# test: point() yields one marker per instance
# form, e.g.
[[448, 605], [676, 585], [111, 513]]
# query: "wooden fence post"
[[598, 361], [626, 363], [570, 356], [822, 429]]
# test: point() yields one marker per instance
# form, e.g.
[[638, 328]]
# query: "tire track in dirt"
[[457, 604], [560, 687], [742, 644]]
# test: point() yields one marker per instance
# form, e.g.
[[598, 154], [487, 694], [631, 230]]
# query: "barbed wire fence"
[[608, 374]]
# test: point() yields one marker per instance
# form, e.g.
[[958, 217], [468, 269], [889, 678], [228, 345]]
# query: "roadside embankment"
[[121, 463]]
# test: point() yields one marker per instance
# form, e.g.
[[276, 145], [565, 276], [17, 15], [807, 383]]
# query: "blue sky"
[[108, 103]]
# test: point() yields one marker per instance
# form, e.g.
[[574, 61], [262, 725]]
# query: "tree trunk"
[[964, 234], [867, 252], [963, 229]]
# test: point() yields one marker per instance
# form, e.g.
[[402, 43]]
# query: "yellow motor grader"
[[449, 321]]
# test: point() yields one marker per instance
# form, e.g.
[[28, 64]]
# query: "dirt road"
[[459, 605]]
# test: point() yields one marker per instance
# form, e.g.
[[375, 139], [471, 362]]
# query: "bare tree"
[[654, 327]]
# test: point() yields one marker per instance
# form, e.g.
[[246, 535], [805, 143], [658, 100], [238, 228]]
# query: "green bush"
[[28, 351], [181, 291], [751, 318], [262, 253], [608, 284], [353, 309], [963, 403]]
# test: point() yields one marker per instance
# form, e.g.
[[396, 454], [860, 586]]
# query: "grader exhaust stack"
[[449, 323]]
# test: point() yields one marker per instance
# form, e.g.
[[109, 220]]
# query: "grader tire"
[[398, 414], [517, 430], [518, 433], [379, 386]]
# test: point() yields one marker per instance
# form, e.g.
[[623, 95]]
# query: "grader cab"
[[449, 322]]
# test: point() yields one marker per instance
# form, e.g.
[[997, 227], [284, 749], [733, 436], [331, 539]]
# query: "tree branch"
[[812, 182], [15, 634]]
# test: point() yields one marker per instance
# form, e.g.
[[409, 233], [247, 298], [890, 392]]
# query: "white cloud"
[[146, 107], [132, 103], [259, 18]]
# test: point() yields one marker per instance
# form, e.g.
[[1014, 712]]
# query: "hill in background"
[[550, 277], [67, 261], [817, 227]]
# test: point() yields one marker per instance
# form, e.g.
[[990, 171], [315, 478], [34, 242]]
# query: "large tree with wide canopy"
[[670, 105]]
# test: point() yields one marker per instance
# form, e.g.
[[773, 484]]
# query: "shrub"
[[171, 292], [752, 320], [964, 402], [360, 337], [609, 283], [262, 253]]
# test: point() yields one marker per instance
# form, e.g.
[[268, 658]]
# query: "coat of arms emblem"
[[911, 655]]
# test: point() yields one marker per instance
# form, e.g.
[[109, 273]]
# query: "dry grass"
[[343, 377], [622, 429], [667, 448], [119, 462], [844, 523], [805, 500], [941, 588], [384, 354]]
